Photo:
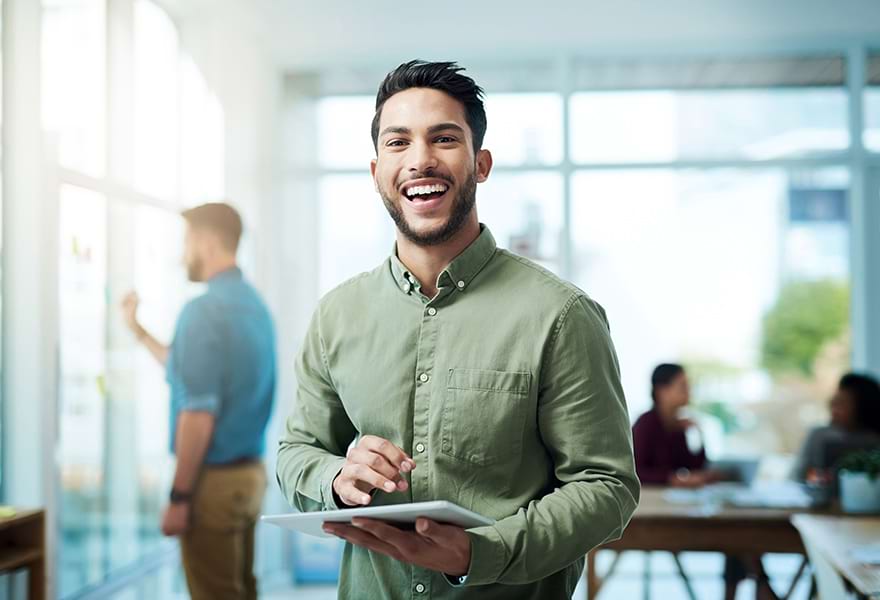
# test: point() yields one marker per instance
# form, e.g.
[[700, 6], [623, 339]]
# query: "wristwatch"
[[178, 497]]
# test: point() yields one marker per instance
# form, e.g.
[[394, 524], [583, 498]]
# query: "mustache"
[[425, 175]]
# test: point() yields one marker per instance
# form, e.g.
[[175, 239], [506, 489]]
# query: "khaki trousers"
[[218, 549]]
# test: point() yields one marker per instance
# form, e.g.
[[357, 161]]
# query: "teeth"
[[425, 189]]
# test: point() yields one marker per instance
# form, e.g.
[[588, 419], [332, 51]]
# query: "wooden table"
[[661, 525], [834, 537], [22, 546]]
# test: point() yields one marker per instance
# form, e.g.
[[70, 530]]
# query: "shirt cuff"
[[332, 469], [203, 403], [489, 555]]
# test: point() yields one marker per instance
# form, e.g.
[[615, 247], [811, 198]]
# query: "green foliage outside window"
[[806, 316]]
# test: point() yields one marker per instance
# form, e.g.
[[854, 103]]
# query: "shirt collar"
[[459, 273], [230, 274]]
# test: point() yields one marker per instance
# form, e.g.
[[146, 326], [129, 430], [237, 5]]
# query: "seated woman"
[[663, 458], [659, 436], [855, 422]]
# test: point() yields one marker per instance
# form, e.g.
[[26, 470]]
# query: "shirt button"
[[460, 285], [432, 311], [420, 447], [423, 377], [420, 588], [406, 287]]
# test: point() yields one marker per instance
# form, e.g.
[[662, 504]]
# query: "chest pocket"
[[484, 415]]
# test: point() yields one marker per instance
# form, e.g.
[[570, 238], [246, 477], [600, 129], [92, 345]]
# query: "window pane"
[[155, 251], [524, 213], [872, 119], [707, 268], [524, 129], [156, 127], [83, 397], [202, 138], [620, 127], [74, 82], [356, 232], [114, 461], [344, 139]]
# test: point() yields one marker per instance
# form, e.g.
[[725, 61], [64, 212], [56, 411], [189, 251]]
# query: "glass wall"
[[671, 125], [74, 83], [119, 230]]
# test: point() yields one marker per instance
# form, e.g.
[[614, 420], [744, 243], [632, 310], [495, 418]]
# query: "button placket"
[[424, 367]]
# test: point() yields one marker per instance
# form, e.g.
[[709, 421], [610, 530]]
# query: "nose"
[[422, 158]]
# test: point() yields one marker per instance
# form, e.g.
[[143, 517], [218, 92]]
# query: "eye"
[[445, 139], [393, 143]]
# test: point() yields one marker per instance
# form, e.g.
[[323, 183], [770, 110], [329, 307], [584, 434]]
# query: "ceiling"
[[307, 35]]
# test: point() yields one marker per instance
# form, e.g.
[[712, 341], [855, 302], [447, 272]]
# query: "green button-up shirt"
[[504, 388]]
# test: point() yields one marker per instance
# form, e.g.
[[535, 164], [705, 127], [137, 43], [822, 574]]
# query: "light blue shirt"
[[222, 361]]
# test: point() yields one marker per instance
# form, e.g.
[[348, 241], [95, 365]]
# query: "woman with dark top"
[[659, 436], [663, 458]]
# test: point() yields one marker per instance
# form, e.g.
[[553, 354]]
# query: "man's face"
[[425, 168], [192, 254]]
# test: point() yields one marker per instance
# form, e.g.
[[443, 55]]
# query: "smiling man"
[[457, 371]]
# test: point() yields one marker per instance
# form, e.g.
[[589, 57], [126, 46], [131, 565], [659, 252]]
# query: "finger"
[[406, 542], [392, 453], [367, 475], [350, 494], [361, 538], [375, 461]]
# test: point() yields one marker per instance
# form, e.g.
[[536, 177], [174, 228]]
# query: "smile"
[[425, 192]]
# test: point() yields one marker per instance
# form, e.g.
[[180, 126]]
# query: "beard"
[[194, 270], [462, 205]]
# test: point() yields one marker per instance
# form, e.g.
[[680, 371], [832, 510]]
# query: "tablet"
[[437, 510]]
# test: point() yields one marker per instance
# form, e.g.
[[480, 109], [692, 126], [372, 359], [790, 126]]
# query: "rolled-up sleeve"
[[585, 427]]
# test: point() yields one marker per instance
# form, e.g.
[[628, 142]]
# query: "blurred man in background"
[[221, 369]]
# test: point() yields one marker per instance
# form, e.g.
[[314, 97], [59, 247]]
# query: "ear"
[[373, 173], [483, 165]]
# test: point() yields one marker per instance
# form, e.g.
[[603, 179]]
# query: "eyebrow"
[[432, 129]]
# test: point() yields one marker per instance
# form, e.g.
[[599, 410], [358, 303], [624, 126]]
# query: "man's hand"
[[175, 519], [129, 313], [375, 463], [441, 548]]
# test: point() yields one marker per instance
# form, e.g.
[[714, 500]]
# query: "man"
[[221, 369], [457, 371]]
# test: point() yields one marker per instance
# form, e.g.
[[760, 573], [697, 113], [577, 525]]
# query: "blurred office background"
[[709, 172]]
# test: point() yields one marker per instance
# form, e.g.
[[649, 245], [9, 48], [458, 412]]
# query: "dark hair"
[[443, 76], [219, 218], [865, 391], [663, 375]]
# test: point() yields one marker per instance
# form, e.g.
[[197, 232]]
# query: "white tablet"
[[438, 510]]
